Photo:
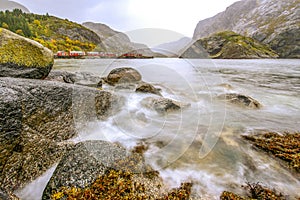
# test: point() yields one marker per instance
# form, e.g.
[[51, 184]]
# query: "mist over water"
[[202, 143]]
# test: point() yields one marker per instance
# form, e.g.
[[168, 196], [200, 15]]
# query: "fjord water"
[[202, 143]]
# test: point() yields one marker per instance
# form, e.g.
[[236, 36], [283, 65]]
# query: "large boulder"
[[241, 100], [36, 118], [91, 160], [123, 75], [23, 58]]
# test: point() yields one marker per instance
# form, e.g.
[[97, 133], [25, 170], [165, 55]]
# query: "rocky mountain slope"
[[173, 49], [10, 5], [228, 45], [272, 22], [117, 42]]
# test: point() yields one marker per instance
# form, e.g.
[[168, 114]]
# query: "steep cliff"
[[117, 42], [272, 22]]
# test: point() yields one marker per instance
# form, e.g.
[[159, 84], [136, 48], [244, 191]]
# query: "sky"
[[178, 16]]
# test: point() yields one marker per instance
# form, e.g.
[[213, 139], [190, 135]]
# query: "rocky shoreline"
[[38, 120]]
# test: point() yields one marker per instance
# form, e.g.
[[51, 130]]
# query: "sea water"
[[202, 143]]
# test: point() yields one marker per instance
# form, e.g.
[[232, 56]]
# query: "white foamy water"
[[202, 143]]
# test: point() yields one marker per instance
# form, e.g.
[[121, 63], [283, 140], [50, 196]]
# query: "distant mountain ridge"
[[10, 5], [115, 41], [272, 22], [175, 48]]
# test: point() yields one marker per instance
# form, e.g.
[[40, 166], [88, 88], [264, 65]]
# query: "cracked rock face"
[[275, 23]]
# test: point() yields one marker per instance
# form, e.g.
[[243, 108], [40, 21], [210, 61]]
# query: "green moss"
[[24, 53]]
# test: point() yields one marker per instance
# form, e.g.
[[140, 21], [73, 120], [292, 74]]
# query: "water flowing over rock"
[[241, 100], [123, 76], [23, 58], [275, 23], [163, 105], [37, 117], [83, 164], [90, 160], [147, 88]]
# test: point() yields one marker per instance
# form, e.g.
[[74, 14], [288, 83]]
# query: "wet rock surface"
[[37, 117], [79, 78], [254, 191], [23, 58], [241, 100], [107, 171], [285, 147], [123, 75], [83, 164], [163, 105], [147, 88]]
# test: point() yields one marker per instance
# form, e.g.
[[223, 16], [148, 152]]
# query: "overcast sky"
[[180, 16]]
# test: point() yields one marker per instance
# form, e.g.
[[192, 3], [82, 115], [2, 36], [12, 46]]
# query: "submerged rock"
[[23, 58], [163, 105], [36, 118], [123, 76], [241, 100], [147, 88]]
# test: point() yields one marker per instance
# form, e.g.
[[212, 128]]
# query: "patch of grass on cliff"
[[285, 147]]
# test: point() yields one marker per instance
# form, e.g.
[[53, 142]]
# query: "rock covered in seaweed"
[[23, 58], [107, 171]]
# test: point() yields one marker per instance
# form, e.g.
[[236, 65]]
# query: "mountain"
[[117, 42], [173, 49], [272, 22], [11, 5], [228, 45], [52, 32]]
